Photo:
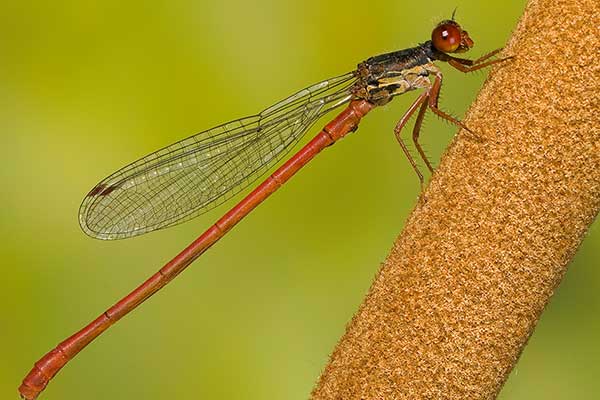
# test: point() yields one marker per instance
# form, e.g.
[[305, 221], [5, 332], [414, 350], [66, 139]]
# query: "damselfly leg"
[[420, 101], [466, 66], [430, 99], [417, 131]]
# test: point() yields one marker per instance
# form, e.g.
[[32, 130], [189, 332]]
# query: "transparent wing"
[[194, 175]]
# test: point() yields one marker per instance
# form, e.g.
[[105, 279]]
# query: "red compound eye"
[[446, 37]]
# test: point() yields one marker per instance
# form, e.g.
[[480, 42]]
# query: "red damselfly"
[[190, 177]]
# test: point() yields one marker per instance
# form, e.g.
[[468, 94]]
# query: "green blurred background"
[[86, 87]]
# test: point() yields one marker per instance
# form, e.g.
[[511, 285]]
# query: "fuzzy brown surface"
[[481, 255]]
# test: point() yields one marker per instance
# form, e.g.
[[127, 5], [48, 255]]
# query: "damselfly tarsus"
[[192, 176]]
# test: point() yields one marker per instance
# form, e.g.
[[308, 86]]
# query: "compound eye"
[[446, 38]]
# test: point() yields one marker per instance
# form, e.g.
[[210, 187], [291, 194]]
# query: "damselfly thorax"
[[382, 77]]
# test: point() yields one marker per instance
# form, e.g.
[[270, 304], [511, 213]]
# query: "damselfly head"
[[449, 37]]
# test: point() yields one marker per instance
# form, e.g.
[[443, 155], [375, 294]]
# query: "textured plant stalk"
[[481, 255]]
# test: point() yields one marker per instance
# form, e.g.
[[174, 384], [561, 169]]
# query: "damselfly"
[[190, 177]]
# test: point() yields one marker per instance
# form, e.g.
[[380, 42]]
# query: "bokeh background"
[[86, 87]]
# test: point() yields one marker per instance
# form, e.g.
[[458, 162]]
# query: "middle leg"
[[434, 94]]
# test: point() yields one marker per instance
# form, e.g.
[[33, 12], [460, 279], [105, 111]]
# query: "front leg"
[[466, 66]]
